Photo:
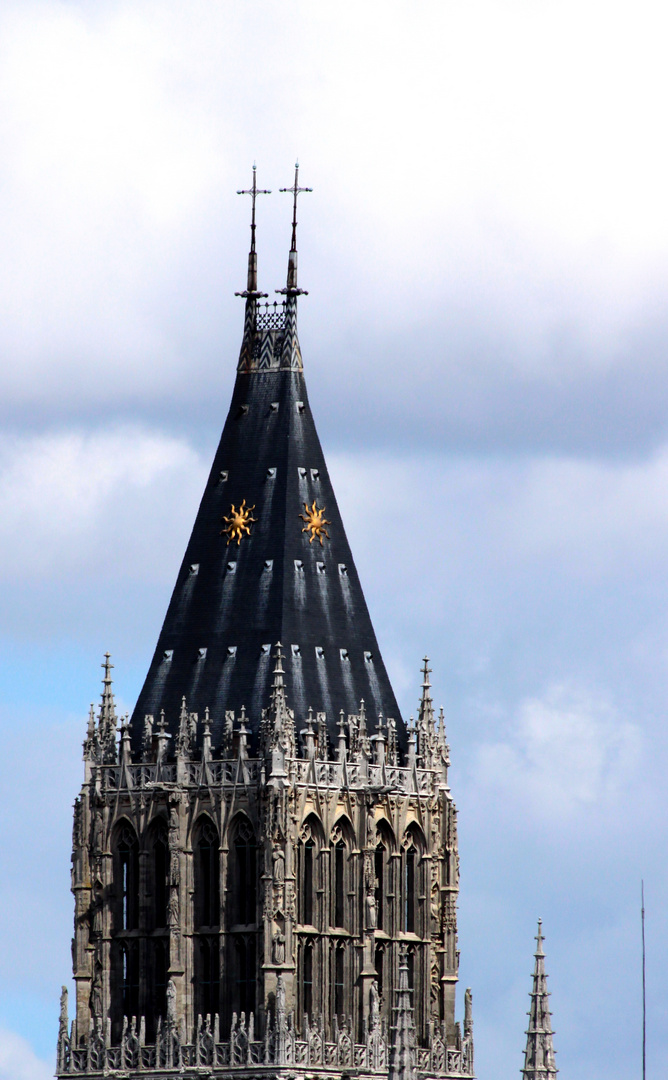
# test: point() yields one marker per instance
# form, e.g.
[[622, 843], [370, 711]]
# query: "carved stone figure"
[[279, 948], [171, 1001]]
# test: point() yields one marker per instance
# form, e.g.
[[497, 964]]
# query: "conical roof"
[[268, 559]]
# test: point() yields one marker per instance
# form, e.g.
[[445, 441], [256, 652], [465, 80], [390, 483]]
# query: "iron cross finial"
[[295, 190], [253, 191]]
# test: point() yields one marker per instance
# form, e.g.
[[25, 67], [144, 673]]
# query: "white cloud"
[[562, 754], [18, 1061], [74, 502]]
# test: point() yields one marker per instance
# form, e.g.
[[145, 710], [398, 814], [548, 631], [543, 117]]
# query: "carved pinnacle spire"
[[281, 719], [107, 718], [539, 1054], [107, 708], [251, 284], [402, 1054], [291, 287], [426, 707]]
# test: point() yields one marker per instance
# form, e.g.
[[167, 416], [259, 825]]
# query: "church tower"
[[265, 864]]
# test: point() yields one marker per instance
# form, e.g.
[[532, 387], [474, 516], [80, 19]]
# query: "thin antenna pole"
[[644, 1002]]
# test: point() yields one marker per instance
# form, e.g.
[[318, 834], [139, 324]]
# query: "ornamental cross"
[[295, 190], [253, 191]]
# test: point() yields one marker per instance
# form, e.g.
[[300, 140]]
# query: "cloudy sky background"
[[486, 342]]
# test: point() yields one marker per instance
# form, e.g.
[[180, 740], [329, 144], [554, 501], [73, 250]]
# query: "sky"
[[485, 342]]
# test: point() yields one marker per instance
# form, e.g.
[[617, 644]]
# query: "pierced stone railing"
[[281, 1046], [231, 771]]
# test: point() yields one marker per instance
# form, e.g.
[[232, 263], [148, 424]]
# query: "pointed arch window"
[[310, 833], [412, 877], [245, 874], [207, 876]]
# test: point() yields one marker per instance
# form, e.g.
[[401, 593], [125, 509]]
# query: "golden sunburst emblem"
[[238, 522], [315, 522]]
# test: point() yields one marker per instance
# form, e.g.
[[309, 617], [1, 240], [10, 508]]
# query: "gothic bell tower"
[[265, 864]]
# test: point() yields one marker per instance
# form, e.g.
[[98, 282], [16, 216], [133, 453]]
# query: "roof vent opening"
[[223, 476], [231, 650], [368, 658], [274, 407], [265, 650], [299, 405], [243, 410], [201, 654], [268, 564], [296, 651], [320, 568], [299, 566], [231, 567], [271, 473], [343, 569], [193, 569], [315, 474], [343, 653], [168, 654], [319, 652], [302, 472]]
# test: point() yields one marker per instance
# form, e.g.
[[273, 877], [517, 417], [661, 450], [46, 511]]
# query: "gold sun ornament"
[[315, 522], [238, 522]]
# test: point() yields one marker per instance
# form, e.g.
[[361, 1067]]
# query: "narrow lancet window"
[[245, 850], [207, 877], [127, 865], [308, 979], [339, 885]]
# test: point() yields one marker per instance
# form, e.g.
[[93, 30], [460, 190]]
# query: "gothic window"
[[409, 889], [245, 965], [245, 868], [307, 882], [339, 986], [130, 978], [207, 876], [307, 980], [412, 875], [127, 878], [311, 838], [410, 961], [160, 863], [208, 981], [339, 883], [379, 869]]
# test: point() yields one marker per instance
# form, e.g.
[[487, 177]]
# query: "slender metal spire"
[[253, 191], [295, 190], [539, 1054]]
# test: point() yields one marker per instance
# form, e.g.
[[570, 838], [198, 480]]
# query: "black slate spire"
[[268, 559]]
